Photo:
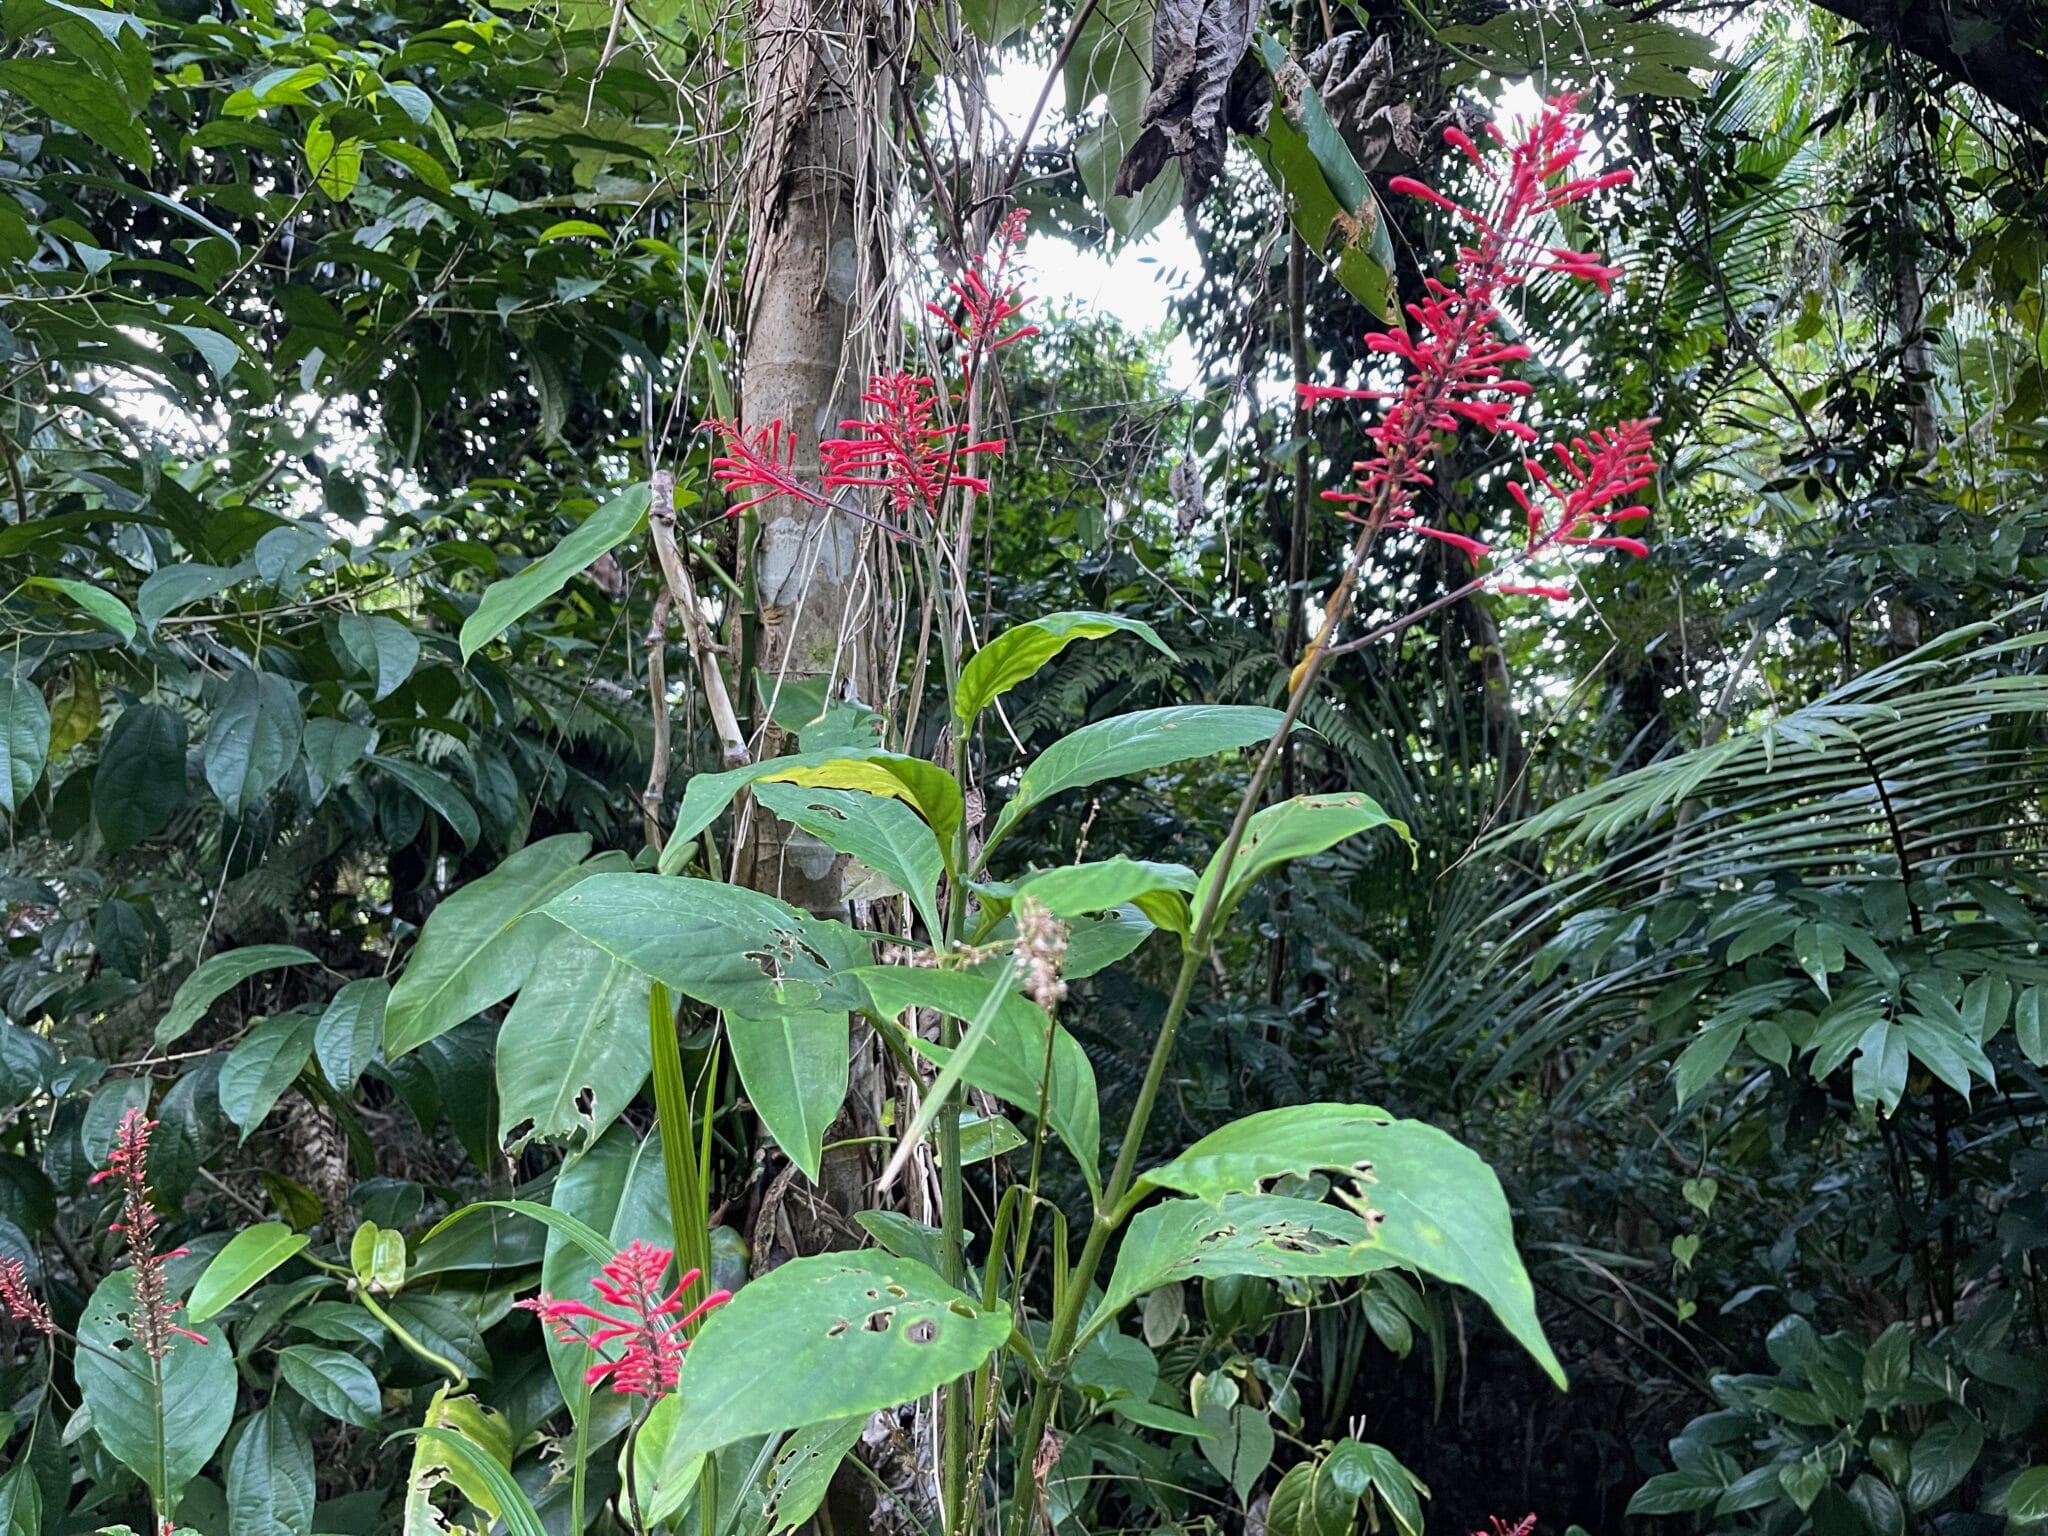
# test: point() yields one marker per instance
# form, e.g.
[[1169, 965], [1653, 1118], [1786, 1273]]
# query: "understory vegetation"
[[682, 853]]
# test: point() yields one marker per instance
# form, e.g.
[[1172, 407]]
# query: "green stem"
[[398, 1331]]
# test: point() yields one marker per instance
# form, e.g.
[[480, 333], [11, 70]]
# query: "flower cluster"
[[1522, 1527], [1455, 362], [988, 295], [654, 1334], [150, 1318], [905, 446], [19, 1302]]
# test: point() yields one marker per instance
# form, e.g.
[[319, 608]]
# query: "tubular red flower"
[[758, 463], [987, 296], [149, 1320], [903, 448], [1522, 1527], [654, 1333], [1533, 589]]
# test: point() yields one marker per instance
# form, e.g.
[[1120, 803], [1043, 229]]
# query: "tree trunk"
[[809, 295]]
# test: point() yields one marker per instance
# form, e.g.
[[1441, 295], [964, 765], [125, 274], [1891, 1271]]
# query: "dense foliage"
[[417, 1110]]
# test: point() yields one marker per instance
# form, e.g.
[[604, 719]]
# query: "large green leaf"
[[271, 1477], [1436, 1205], [24, 740], [476, 947], [506, 602], [573, 1051], [794, 1066], [1269, 1235], [823, 1338], [104, 606], [1075, 890], [266, 1062], [252, 739], [1022, 649], [214, 976], [1134, 743], [140, 782], [735, 949], [114, 1379], [439, 793], [1293, 829], [335, 1382], [383, 650], [929, 790], [883, 833], [250, 1254], [176, 585], [1011, 1060], [1574, 43]]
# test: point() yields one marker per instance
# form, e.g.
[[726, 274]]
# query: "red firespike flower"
[[19, 1302], [654, 1335], [904, 449], [760, 463], [1454, 360], [987, 297], [150, 1318], [1521, 1527]]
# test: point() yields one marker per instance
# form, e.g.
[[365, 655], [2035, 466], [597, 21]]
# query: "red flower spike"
[[760, 463], [987, 296], [1455, 362], [654, 1334], [149, 1320], [904, 449], [19, 1302], [1533, 589], [1522, 1527]]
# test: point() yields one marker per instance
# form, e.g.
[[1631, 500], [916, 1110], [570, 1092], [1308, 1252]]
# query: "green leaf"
[[114, 1379], [252, 739], [250, 1254], [338, 1384], [927, 789], [350, 1030], [1075, 890], [883, 833], [140, 782], [1237, 1441], [1941, 1458], [715, 942], [214, 976], [506, 602], [24, 740], [267, 1062], [110, 1104], [1676, 1493], [2030, 1026], [271, 1480], [472, 1466], [476, 948], [1329, 200], [1641, 57], [1699, 1194], [331, 749], [996, 21], [1439, 1208], [104, 606], [2026, 1501], [176, 585], [1293, 829], [382, 649], [1010, 1062], [573, 1229], [795, 1069], [570, 229], [573, 1052], [481, 1439], [80, 98], [1019, 651], [831, 1337], [1134, 743], [1268, 1235], [336, 164], [803, 1471], [439, 793]]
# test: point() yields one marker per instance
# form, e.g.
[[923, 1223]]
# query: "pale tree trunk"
[[813, 311]]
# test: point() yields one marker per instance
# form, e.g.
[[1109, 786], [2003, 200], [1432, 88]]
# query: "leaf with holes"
[[883, 833], [1022, 649], [1438, 1208], [573, 1052], [828, 1337], [735, 949], [1134, 743], [1269, 1235], [198, 1400]]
